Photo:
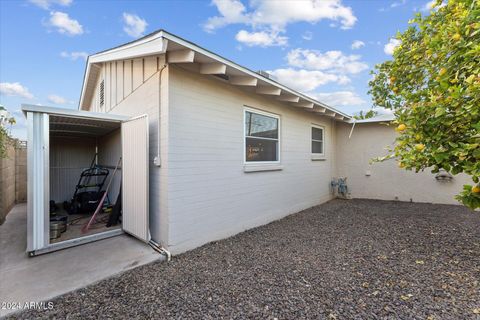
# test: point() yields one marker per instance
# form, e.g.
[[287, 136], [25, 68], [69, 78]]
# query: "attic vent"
[[222, 76], [102, 93]]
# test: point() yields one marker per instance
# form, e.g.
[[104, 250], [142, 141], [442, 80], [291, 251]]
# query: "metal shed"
[[60, 142]]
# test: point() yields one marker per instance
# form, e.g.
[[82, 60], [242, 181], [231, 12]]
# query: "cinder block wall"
[[13, 178], [20, 174], [7, 182]]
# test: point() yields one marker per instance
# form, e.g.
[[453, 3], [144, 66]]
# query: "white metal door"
[[135, 178]]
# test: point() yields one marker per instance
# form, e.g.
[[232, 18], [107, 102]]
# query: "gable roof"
[[179, 50]]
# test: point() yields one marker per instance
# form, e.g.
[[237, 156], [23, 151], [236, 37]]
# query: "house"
[[208, 148]]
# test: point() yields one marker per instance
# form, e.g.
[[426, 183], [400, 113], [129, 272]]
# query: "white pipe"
[[160, 250], [157, 160], [353, 126]]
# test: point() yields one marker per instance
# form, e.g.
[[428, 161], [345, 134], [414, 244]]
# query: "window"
[[317, 140], [102, 93], [261, 137]]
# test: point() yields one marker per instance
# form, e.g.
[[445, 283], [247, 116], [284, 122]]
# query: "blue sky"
[[307, 44]]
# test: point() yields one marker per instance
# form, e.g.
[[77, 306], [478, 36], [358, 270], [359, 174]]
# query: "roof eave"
[[157, 42]]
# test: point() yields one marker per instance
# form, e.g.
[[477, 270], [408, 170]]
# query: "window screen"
[[261, 137]]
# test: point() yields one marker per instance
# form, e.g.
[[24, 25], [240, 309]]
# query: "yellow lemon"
[[442, 71], [418, 137], [419, 147], [401, 127], [476, 189], [401, 165], [457, 36]]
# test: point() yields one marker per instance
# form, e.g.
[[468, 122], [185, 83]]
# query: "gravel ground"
[[343, 259]]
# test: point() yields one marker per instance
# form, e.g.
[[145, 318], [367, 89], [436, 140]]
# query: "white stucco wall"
[[209, 195], [387, 181]]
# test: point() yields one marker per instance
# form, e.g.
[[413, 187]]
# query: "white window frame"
[[263, 113], [316, 156]]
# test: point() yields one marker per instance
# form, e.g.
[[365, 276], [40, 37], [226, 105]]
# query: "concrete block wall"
[[13, 178], [21, 174], [7, 182]]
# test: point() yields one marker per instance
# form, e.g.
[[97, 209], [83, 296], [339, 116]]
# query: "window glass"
[[261, 137], [317, 134], [258, 125], [317, 147], [317, 140], [261, 149]]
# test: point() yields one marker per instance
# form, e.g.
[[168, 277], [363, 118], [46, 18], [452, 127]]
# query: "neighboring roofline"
[[73, 113], [373, 120], [194, 47]]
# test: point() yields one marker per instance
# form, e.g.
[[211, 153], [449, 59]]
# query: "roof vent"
[[266, 74]]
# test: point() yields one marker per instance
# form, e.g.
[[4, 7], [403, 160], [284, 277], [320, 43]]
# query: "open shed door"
[[135, 177]]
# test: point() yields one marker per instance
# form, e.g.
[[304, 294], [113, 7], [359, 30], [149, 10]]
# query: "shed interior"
[[91, 146]]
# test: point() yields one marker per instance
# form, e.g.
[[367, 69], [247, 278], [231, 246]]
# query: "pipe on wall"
[[157, 160]]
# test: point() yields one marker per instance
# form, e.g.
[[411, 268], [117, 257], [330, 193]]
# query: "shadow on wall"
[[13, 177]]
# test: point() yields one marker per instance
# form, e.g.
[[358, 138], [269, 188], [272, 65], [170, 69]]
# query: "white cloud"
[[15, 89], [53, 98], [339, 98], [381, 110], [262, 38], [431, 5], [334, 61], [357, 44], [74, 55], [46, 4], [231, 11], [134, 25], [64, 24], [391, 45], [310, 69], [398, 3], [308, 35], [276, 15], [306, 80]]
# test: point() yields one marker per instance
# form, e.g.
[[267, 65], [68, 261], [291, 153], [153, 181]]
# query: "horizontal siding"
[[209, 194]]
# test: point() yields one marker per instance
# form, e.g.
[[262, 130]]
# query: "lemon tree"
[[433, 86]]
